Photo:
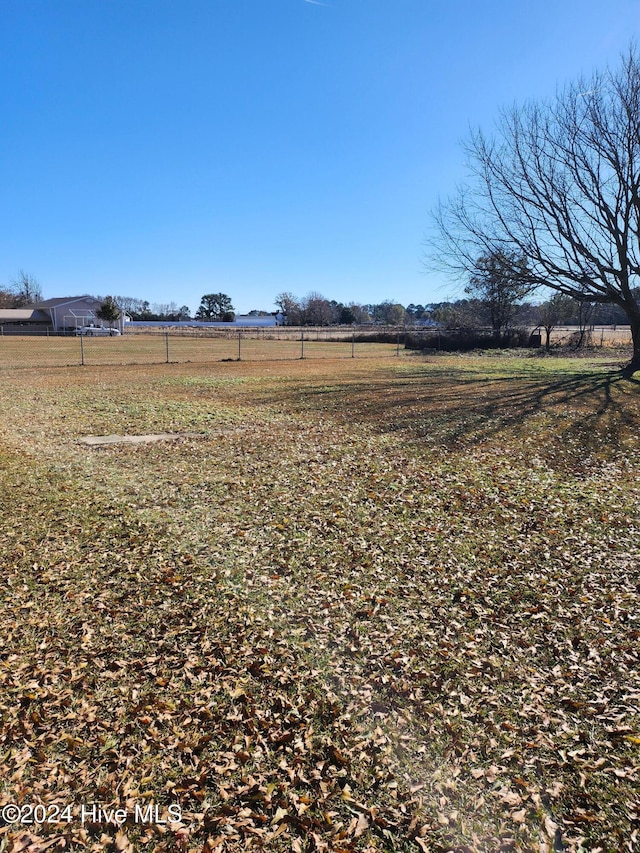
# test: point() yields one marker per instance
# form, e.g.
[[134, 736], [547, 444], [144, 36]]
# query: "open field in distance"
[[597, 336], [141, 345], [56, 351], [354, 605]]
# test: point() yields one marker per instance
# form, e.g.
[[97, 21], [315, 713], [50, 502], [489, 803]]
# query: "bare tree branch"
[[559, 184]]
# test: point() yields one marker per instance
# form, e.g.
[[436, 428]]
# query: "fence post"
[[166, 341], [81, 349], [398, 345], [239, 339], [353, 343], [302, 344]]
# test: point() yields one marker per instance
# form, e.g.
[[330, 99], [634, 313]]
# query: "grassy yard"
[[354, 605]]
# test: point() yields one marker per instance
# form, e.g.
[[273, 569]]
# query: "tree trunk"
[[634, 364]]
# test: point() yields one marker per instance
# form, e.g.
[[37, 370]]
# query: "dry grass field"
[[352, 605], [42, 351], [597, 336]]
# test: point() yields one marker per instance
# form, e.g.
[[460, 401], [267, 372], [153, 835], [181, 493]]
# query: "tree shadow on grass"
[[574, 414]]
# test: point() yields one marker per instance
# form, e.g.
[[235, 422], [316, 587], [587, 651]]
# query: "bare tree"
[[584, 310], [552, 312], [316, 310], [128, 304], [27, 289], [8, 298], [289, 305], [559, 184]]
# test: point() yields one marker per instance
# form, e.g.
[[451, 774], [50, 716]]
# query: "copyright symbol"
[[10, 813]]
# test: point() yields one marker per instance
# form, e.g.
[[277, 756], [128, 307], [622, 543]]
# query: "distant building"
[[252, 321], [255, 320], [24, 321], [54, 315]]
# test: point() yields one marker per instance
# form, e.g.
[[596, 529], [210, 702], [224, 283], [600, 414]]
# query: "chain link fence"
[[194, 345], [156, 346]]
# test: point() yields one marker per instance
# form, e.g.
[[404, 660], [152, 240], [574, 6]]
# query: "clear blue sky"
[[168, 148]]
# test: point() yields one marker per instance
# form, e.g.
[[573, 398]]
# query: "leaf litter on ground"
[[389, 606]]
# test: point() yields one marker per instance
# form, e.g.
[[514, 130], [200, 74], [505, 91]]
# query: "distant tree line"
[[316, 310], [497, 298], [502, 312], [499, 305], [475, 312], [213, 307], [140, 309], [312, 310]]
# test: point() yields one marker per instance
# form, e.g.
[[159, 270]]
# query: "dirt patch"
[[98, 440]]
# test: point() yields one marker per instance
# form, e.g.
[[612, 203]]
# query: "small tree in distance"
[[289, 307], [500, 281], [316, 310], [553, 312], [360, 314], [215, 307], [108, 311], [389, 313], [585, 310]]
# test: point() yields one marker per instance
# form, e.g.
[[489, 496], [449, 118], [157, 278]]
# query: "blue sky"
[[165, 149]]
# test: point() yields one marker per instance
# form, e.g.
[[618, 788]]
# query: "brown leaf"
[[27, 843], [361, 827], [122, 842]]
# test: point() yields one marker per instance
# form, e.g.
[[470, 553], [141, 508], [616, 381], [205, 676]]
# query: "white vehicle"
[[97, 331]]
